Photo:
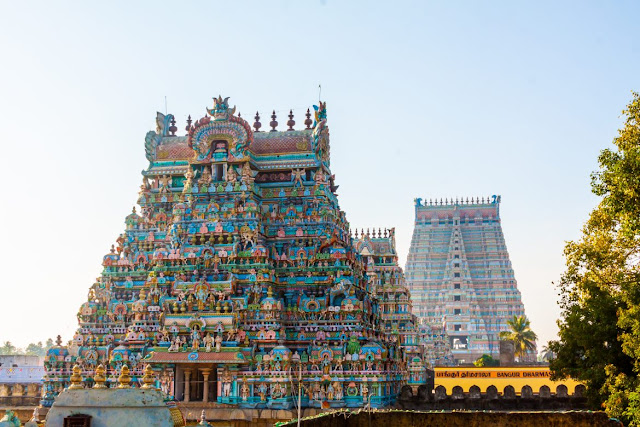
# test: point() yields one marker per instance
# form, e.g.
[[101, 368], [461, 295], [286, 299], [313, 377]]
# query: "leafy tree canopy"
[[599, 337], [33, 349], [486, 361], [7, 348]]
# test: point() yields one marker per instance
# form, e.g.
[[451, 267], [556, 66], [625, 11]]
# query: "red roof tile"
[[193, 357], [178, 150], [280, 142]]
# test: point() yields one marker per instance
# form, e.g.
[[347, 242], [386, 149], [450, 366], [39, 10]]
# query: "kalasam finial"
[[149, 378], [76, 378], [99, 378], [124, 380], [257, 125], [291, 123]]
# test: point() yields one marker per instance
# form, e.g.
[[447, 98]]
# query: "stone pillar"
[[187, 384], [507, 353], [205, 390]]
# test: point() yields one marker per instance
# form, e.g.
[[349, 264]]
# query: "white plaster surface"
[[112, 407]]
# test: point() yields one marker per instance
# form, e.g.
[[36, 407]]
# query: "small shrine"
[[238, 280], [120, 405]]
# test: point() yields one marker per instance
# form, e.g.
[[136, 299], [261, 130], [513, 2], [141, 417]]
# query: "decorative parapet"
[[493, 398]]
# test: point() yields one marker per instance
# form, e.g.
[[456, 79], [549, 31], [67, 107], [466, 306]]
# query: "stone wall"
[[20, 360], [244, 417], [17, 390], [20, 395], [458, 419], [20, 384], [508, 399], [132, 407]]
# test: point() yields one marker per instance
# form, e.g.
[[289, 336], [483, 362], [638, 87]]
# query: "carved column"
[[205, 391], [187, 384]]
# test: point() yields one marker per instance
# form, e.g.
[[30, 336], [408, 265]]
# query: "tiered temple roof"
[[238, 280], [460, 275]]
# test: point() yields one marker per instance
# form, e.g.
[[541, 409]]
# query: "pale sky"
[[425, 99]]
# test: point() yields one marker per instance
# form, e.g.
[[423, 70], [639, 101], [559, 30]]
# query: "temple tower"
[[460, 276], [236, 269]]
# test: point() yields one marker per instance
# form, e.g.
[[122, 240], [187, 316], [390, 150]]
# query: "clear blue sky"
[[430, 99]]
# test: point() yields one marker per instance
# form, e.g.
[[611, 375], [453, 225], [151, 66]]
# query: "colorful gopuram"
[[237, 278], [460, 275], [386, 282], [437, 344]]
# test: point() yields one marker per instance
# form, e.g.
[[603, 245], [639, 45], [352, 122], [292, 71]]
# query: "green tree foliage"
[[33, 349], [523, 338], [7, 348], [36, 349], [599, 337], [486, 361]]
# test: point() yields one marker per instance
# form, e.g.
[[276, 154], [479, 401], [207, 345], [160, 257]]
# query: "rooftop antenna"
[[319, 92]]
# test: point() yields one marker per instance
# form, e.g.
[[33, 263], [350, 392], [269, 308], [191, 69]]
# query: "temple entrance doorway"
[[199, 383]]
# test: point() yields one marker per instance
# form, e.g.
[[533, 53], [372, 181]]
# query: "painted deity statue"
[[208, 342], [231, 174], [195, 339], [226, 384], [262, 391], [189, 181], [247, 176], [201, 293], [244, 391], [218, 342]]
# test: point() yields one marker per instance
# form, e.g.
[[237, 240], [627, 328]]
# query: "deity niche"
[[231, 174], [218, 341], [248, 237], [208, 341], [244, 391], [205, 178], [195, 338], [263, 389], [220, 147], [278, 391], [338, 390], [166, 382], [201, 292], [247, 174], [226, 383]]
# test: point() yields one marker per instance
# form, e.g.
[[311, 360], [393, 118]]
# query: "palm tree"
[[547, 354], [521, 335]]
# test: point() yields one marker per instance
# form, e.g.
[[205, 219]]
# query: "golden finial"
[[99, 377], [76, 378], [124, 380], [149, 379], [203, 420]]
